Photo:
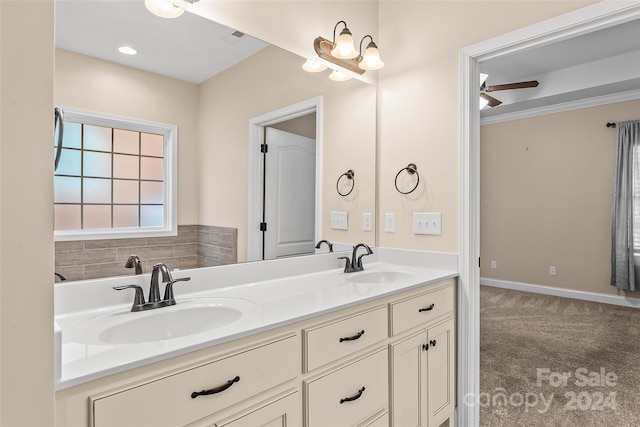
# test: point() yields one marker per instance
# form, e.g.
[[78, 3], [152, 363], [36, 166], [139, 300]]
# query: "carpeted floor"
[[550, 361]]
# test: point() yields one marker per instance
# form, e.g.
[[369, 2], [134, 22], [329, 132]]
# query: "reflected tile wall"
[[194, 246]]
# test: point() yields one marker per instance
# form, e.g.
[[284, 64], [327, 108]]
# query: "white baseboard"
[[565, 293]]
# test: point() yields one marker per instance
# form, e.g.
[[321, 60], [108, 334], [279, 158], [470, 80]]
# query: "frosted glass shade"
[[371, 59], [344, 46], [163, 8]]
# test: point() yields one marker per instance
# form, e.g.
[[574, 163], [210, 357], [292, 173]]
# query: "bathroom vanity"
[[317, 347]]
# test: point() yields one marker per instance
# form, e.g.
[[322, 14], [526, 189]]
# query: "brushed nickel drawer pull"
[[353, 338], [216, 389], [350, 399], [427, 308]]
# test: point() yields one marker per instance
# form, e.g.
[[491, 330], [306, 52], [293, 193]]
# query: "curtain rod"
[[611, 125]]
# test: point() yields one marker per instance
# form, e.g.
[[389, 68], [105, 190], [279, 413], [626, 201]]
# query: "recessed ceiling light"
[[127, 50]]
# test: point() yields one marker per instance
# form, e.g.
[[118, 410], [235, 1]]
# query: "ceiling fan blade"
[[492, 101], [518, 85]]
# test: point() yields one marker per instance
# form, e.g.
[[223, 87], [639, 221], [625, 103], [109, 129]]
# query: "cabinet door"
[[284, 412], [441, 376], [408, 382]]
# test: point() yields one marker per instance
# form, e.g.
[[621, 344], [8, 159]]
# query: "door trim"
[[256, 138], [590, 18]]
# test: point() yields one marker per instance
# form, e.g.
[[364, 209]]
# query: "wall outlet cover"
[[390, 223], [367, 221]]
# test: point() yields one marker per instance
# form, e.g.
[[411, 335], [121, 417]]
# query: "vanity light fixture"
[[165, 8], [371, 58], [339, 76], [313, 66], [343, 53], [343, 48]]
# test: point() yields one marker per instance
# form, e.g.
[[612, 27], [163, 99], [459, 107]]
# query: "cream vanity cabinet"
[[386, 362], [422, 361]]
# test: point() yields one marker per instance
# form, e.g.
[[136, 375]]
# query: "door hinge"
[[263, 226], [478, 262], [264, 148]]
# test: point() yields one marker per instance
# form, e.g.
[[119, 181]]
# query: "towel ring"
[[349, 174], [411, 169]]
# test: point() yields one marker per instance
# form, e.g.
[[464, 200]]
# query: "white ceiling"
[[193, 49], [188, 48], [600, 63]]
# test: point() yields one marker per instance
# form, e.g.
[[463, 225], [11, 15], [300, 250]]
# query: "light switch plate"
[[390, 223], [427, 223], [367, 221], [339, 220]]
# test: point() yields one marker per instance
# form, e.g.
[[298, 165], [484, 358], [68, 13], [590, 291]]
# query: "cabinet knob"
[[425, 347], [433, 343]]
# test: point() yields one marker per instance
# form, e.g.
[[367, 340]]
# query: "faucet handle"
[[347, 266], [168, 290], [139, 298]]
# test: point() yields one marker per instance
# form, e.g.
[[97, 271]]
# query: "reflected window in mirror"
[[115, 178]]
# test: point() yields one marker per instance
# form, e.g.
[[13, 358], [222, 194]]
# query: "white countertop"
[[265, 304]]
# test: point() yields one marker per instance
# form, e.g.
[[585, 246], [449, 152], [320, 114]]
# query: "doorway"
[[588, 19], [288, 200], [285, 158]]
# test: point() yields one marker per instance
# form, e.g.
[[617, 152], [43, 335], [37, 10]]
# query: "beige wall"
[[26, 214], [303, 126], [91, 84], [419, 106], [546, 197], [227, 102]]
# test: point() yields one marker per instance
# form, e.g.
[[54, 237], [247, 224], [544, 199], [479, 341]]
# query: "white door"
[[290, 193]]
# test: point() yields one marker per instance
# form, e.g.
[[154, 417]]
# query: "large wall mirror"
[[212, 82]]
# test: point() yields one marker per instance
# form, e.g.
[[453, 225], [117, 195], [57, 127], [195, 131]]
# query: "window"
[[116, 178]]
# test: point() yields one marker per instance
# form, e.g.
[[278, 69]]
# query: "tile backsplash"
[[194, 246]]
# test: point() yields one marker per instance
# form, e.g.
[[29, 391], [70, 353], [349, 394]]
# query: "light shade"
[[371, 58], [483, 102], [483, 78], [313, 66], [344, 46], [339, 76], [163, 8]]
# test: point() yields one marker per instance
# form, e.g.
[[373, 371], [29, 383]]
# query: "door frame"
[[585, 20], [256, 167]]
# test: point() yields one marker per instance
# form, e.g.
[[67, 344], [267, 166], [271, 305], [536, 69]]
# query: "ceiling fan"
[[489, 100]]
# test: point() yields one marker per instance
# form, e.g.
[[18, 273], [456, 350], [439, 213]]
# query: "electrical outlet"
[[494, 263], [552, 270], [390, 223], [339, 221], [367, 221]]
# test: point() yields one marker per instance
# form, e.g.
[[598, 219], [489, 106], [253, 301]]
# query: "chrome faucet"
[[329, 244], [134, 262], [139, 303], [355, 264]]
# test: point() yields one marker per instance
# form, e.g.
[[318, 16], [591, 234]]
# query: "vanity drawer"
[[331, 341], [420, 309], [168, 401], [324, 394]]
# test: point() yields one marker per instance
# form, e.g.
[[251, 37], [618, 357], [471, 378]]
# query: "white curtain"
[[625, 224]]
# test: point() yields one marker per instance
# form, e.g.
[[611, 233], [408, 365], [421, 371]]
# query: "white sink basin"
[[184, 319], [385, 276]]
